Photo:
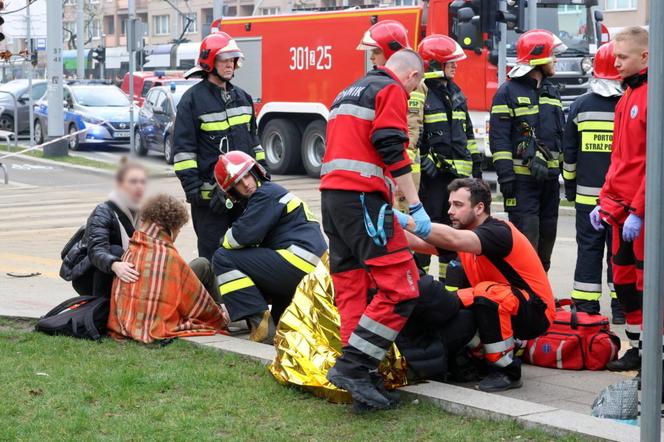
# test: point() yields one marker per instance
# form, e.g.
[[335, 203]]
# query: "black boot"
[[631, 360], [360, 388], [502, 379], [617, 313], [377, 380], [590, 307]]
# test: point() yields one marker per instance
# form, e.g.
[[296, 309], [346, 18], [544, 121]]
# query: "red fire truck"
[[296, 64]]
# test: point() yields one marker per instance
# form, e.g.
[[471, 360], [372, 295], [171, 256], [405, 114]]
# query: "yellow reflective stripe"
[[463, 167], [451, 288], [459, 115], [260, 155], [186, 164], [295, 260], [569, 175], [240, 119], [595, 125], [415, 168], [205, 194], [510, 202], [614, 295], [586, 296], [501, 109], [587, 200], [540, 61], [442, 270], [502, 155], [553, 164], [419, 96], [435, 118], [224, 125], [226, 244], [293, 204], [472, 147], [551, 101], [233, 286], [521, 170], [521, 111]]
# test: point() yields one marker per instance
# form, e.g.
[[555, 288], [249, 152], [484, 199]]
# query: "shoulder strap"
[[124, 219]]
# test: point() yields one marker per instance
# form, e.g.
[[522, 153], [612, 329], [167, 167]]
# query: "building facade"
[[621, 13]]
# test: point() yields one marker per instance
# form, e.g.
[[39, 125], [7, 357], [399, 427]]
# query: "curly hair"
[[166, 211]]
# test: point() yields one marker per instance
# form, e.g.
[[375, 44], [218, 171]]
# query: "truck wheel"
[[313, 147], [281, 140]]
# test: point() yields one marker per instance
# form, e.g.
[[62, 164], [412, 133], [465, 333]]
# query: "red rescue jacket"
[[367, 135], [624, 189]]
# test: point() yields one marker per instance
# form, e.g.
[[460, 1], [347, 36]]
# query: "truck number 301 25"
[[303, 58]]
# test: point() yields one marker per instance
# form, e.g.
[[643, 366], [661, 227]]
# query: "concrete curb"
[[465, 401]]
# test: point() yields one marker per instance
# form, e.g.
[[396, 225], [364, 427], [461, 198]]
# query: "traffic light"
[[99, 54], [515, 16], [2, 20]]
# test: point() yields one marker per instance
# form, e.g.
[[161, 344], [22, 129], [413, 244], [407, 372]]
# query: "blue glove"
[[632, 227], [402, 218], [422, 220], [596, 219]]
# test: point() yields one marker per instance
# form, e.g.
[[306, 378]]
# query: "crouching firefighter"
[[587, 155], [213, 117], [448, 147], [367, 135], [510, 294], [526, 140], [267, 250]]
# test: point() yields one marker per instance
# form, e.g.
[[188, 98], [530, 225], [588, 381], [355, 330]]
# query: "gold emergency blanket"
[[308, 341]]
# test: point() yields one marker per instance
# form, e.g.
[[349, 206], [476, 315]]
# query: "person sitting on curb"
[[268, 249], [92, 262], [510, 295], [167, 299]]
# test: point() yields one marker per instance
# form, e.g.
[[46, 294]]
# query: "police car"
[[99, 112]]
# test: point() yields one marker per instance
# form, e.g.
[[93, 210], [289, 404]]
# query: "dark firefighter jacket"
[[516, 102], [448, 131], [278, 220], [587, 146], [211, 121]]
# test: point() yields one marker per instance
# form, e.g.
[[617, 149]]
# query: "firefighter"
[[365, 157], [587, 155], [382, 40], [621, 201], [267, 250], [448, 149], [213, 117], [510, 294], [526, 140]]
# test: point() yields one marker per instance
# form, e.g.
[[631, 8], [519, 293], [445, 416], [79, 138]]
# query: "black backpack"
[[82, 317]]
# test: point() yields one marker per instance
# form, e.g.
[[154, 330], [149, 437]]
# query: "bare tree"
[[92, 13]]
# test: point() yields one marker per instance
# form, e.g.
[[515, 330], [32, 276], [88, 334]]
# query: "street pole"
[[502, 45], [80, 57], [56, 125], [532, 14], [131, 27], [217, 9], [31, 116], [651, 380]]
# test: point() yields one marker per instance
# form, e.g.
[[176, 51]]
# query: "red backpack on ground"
[[575, 341]]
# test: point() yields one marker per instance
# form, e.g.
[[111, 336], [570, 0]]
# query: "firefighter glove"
[[570, 191], [218, 201], [508, 189], [632, 227], [422, 220], [428, 167], [596, 219], [477, 170], [194, 198]]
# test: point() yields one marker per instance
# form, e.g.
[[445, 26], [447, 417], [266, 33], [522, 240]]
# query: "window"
[[192, 19], [269, 11], [94, 29], [123, 24], [620, 5], [405, 2], [160, 24], [167, 105], [150, 99], [146, 87], [109, 25], [159, 100], [38, 90]]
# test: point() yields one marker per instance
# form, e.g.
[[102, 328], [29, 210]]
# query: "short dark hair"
[[480, 192]]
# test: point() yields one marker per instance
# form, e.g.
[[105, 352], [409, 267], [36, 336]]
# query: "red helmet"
[[388, 35], [603, 65], [218, 45], [436, 50], [234, 165], [535, 48]]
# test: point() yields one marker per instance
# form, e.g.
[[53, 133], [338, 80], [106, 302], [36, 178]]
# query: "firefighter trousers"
[[627, 264], [375, 286], [435, 197], [534, 211], [502, 313], [250, 278], [591, 245], [210, 228]]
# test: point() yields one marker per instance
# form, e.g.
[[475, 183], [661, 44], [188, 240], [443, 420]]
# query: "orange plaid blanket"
[[167, 301]]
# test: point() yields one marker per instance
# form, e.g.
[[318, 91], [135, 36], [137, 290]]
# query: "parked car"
[[21, 91], [102, 109], [146, 80], [154, 129]]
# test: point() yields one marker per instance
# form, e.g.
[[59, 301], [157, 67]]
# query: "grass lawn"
[[65, 389], [70, 159]]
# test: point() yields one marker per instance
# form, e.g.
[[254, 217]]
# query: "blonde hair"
[[166, 211], [635, 34]]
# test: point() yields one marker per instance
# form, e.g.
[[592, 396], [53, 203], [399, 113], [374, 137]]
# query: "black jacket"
[[210, 120], [519, 101]]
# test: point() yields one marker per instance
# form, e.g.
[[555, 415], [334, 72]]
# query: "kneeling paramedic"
[[268, 249], [367, 134], [510, 294]]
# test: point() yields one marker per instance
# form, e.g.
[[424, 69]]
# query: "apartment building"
[[621, 13]]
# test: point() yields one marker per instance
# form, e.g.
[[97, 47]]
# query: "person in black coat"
[[92, 262]]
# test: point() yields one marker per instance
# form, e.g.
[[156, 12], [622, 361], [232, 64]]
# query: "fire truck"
[[296, 64]]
